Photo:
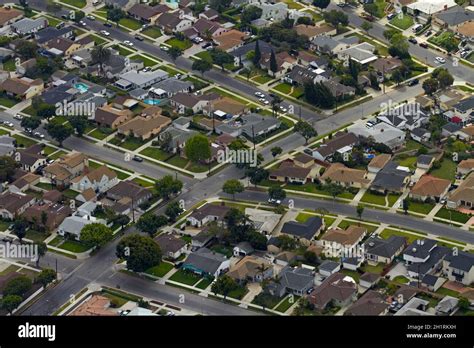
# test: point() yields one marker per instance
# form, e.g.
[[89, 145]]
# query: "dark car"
[[413, 82], [109, 25], [137, 158], [424, 45], [413, 40], [139, 38]]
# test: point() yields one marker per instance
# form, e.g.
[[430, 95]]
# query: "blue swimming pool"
[[82, 87], [152, 101]]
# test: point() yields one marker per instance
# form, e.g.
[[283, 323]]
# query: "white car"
[[259, 94], [18, 117], [274, 201], [91, 17], [39, 135], [9, 124], [283, 109], [82, 23], [266, 102], [128, 43], [164, 48], [440, 60], [105, 32]]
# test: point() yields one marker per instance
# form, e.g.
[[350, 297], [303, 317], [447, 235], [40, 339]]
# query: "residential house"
[[72, 226], [206, 263], [13, 205], [251, 126], [284, 62], [392, 178], [381, 133], [242, 249], [52, 196], [328, 45], [31, 159], [127, 196], [337, 89], [341, 143], [385, 66], [420, 134], [115, 66], [110, 116], [463, 195], [171, 246], [424, 9], [144, 127], [251, 269], [299, 75], [452, 18], [466, 30], [284, 258], [303, 232], [201, 239], [62, 47], [88, 195], [372, 303], [342, 243], [264, 221], [24, 66], [338, 289], [100, 180], [461, 112], [7, 145], [447, 305], [466, 133], [296, 280], [329, 267], [69, 166], [377, 163], [230, 40], [172, 22], [432, 282], [465, 166], [273, 11], [368, 280], [169, 87], [50, 33], [24, 183], [430, 187], [178, 138], [362, 53], [313, 31], [425, 162], [208, 29], [459, 267], [145, 13], [9, 15], [424, 256], [27, 26], [407, 116], [348, 177], [209, 14], [48, 216], [138, 79], [185, 101], [208, 213], [414, 307], [240, 53], [225, 108], [288, 172], [378, 250], [23, 88]]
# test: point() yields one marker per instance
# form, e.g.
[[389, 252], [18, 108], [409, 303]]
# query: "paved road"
[[334, 207], [460, 72]]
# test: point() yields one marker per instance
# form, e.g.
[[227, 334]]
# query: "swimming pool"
[[82, 87], [152, 101]]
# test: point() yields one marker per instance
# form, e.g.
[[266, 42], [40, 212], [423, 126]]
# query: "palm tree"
[[322, 212], [100, 55]]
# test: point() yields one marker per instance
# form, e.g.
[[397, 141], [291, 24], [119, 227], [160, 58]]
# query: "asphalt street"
[[399, 220]]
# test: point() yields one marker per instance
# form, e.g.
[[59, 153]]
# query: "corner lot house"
[[381, 133], [171, 246], [206, 263]]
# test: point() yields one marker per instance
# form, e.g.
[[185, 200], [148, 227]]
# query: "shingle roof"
[[305, 230]]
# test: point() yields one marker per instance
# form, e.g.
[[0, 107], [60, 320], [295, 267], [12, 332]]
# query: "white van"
[[417, 27]]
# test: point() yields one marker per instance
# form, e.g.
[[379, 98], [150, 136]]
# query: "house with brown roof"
[[348, 177], [68, 167], [208, 213], [313, 31], [206, 28], [47, 216], [378, 162], [62, 47], [184, 101], [284, 63], [371, 303], [144, 127], [147, 14], [111, 117], [14, 204], [128, 195], [303, 160], [230, 40], [95, 305], [337, 289], [225, 107], [172, 22], [385, 66], [465, 166], [171, 246], [342, 243], [24, 183], [466, 30], [430, 187], [100, 180], [463, 196], [23, 88], [291, 173], [52, 196], [251, 269], [466, 133], [9, 15], [88, 195], [342, 142]]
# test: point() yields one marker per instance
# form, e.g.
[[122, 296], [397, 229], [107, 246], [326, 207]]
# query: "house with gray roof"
[[424, 256], [303, 231], [240, 53], [73, 225], [378, 250], [29, 26], [362, 53], [459, 267], [250, 125], [206, 263], [452, 17], [381, 133], [327, 44], [177, 137], [51, 33], [328, 267], [169, 87], [296, 280], [447, 305], [392, 178], [7, 145], [140, 79]]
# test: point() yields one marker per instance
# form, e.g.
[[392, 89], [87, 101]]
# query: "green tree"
[[7, 168], [257, 175], [430, 86], [273, 63], [96, 234], [19, 228], [46, 276], [121, 220], [173, 210], [46, 111], [277, 193], [360, 211], [18, 286], [32, 122], [306, 130], [10, 303], [115, 14], [444, 77], [366, 26], [150, 223], [26, 49], [79, 123], [405, 205], [276, 101], [140, 252], [322, 4], [276, 150], [42, 249], [175, 52], [249, 14], [224, 285], [79, 16], [100, 55], [257, 55], [232, 187], [197, 148], [221, 57], [59, 132], [168, 186], [202, 66]]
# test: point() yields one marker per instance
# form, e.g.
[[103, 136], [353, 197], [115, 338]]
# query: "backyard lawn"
[[161, 270], [446, 171], [182, 44]]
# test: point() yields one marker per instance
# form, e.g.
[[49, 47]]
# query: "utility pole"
[[383, 78], [253, 137]]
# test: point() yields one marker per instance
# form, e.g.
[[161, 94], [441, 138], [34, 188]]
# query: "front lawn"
[[401, 279], [130, 23], [161, 270], [146, 61], [98, 40], [22, 141], [238, 293], [287, 303], [74, 246], [75, 3], [284, 88], [386, 233], [373, 198], [402, 21], [153, 32], [420, 207], [446, 40], [453, 215], [185, 277], [181, 44], [204, 283], [122, 50], [155, 153], [132, 143], [100, 133], [262, 79], [7, 102]]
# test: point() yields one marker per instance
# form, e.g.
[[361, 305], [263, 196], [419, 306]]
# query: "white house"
[[100, 180]]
